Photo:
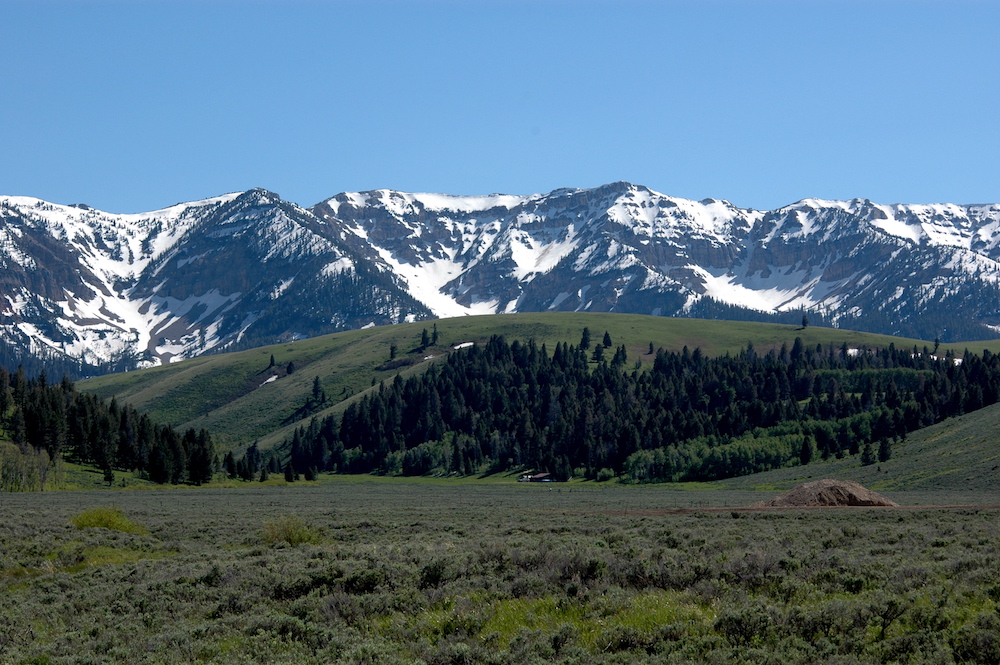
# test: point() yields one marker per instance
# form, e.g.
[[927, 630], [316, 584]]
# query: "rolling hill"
[[958, 457], [240, 397]]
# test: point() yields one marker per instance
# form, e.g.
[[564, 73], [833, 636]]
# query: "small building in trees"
[[543, 477]]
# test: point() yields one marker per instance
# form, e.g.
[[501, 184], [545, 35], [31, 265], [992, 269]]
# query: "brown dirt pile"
[[826, 492]]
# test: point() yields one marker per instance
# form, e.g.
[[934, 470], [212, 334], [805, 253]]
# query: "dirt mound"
[[826, 492]]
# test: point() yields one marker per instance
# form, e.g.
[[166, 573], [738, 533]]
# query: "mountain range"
[[119, 291]]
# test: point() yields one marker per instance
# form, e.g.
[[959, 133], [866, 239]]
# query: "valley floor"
[[359, 570]]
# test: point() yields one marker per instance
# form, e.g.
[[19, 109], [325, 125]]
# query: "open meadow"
[[393, 570]]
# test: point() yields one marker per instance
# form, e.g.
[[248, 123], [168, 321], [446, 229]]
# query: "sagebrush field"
[[369, 570]]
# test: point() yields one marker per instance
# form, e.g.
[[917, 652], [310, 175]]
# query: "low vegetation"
[[111, 518], [418, 571], [289, 530]]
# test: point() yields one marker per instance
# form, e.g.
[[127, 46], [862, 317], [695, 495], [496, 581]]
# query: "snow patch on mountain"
[[192, 277], [342, 264], [533, 255], [426, 282]]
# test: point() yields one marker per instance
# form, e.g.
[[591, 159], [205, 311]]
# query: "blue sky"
[[132, 106]]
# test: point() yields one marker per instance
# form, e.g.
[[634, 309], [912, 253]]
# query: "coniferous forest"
[[588, 411], [45, 422]]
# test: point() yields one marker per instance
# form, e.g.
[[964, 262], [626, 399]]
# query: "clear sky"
[[135, 105]]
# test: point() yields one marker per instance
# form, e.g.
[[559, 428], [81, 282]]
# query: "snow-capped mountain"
[[137, 290], [623, 247], [247, 269]]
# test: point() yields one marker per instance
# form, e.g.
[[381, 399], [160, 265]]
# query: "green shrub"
[[107, 518], [290, 530]]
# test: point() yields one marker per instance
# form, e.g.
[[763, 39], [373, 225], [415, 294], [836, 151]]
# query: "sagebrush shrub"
[[111, 518], [290, 530]]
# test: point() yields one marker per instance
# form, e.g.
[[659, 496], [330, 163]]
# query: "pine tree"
[[585, 339], [867, 455], [607, 340], [201, 466], [160, 462], [806, 453], [884, 450], [229, 462]]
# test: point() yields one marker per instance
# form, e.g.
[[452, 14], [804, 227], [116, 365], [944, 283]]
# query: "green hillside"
[[230, 394], [959, 457]]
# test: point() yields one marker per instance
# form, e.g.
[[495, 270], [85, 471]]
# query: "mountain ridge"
[[250, 268]]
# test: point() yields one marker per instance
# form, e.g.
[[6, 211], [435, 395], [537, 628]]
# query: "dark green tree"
[[202, 456], [160, 462], [884, 450], [229, 463], [867, 454], [598, 353], [806, 452]]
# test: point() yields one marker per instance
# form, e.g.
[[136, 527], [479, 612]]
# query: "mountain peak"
[[250, 268]]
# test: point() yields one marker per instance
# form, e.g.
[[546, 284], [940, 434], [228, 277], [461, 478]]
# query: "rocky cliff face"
[[249, 268]]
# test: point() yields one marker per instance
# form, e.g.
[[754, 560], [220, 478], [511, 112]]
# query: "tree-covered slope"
[[241, 397], [689, 417], [42, 423], [958, 457]]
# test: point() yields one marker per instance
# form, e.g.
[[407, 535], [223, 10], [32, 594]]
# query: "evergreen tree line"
[[14, 355], [53, 418], [709, 308], [256, 464], [507, 406]]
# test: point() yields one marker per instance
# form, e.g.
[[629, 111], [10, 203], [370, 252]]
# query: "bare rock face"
[[827, 492]]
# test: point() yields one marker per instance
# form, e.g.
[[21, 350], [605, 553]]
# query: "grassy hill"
[[958, 457], [240, 397]]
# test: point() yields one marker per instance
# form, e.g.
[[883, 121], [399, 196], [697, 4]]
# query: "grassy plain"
[[388, 570], [231, 396], [470, 570]]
